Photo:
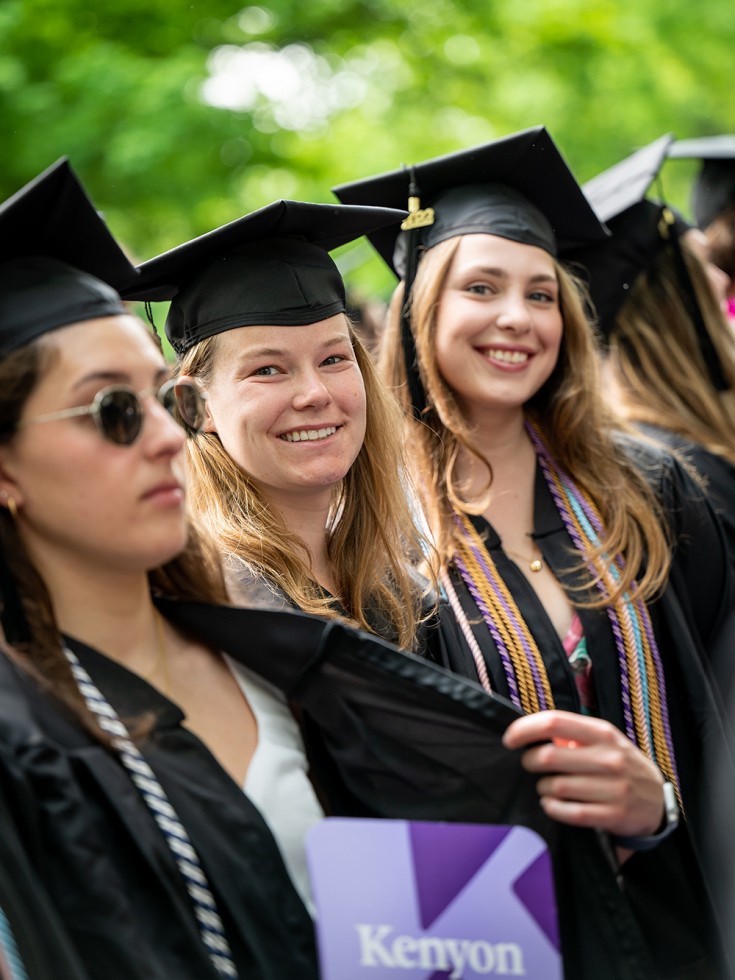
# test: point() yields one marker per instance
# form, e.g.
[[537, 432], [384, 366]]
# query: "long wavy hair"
[[655, 362], [721, 240], [569, 411], [195, 574], [372, 535]]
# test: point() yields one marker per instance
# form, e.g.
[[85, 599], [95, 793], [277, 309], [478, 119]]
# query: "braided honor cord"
[[202, 900], [523, 665], [642, 681]]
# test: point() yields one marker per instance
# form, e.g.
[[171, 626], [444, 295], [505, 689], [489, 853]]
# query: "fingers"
[[587, 789], [591, 774], [633, 817], [612, 759], [583, 801], [598, 815], [562, 726]]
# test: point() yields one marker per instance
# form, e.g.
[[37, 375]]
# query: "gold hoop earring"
[[11, 504]]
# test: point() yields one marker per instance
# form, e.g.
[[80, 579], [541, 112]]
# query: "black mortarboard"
[[270, 268], [713, 190], [618, 197], [59, 263], [518, 187], [640, 230]]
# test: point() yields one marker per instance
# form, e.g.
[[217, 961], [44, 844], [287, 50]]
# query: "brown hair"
[[656, 363], [568, 409], [194, 574], [721, 240], [372, 535]]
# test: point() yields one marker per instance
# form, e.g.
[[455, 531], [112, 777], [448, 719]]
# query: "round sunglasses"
[[118, 411]]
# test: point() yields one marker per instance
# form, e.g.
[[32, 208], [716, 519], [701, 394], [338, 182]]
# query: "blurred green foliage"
[[181, 116]]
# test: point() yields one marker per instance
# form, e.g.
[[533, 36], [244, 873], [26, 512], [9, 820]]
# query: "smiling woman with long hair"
[[555, 533], [299, 474]]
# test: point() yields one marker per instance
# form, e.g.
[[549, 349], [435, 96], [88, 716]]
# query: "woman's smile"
[[506, 358], [311, 434]]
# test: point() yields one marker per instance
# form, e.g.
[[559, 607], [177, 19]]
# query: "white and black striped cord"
[[187, 859]]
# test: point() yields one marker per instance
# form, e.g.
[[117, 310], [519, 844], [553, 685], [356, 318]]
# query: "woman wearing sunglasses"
[[158, 863], [550, 528]]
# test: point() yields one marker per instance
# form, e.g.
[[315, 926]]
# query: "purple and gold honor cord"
[[642, 684]]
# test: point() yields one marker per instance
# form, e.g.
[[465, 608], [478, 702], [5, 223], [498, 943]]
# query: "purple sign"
[[431, 901]]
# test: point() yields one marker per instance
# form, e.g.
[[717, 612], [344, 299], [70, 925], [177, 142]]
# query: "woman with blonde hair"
[[554, 532], [299, 473], [669, 351]]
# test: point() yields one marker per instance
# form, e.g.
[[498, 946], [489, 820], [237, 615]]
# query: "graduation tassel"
[[668, 231], [417, 219]]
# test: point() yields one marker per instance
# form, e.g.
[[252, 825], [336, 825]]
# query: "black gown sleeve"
[[701, 569], [716, 474], [41, 942]]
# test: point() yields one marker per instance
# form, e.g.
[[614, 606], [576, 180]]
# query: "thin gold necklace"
[[535, 564]]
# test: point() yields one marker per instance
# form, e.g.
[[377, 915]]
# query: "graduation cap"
[[59, 262], [270, 268], [409, 740], [518, 187], [618, 196], [58, 265], [640, 230], [713, 190]]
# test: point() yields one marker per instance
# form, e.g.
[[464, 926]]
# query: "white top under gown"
[[277, 780]]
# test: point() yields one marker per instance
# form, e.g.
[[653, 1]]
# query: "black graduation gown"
[[716, 473], [720, 803], [665, 885], [104, 862], [390, 735], [41, 942]]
